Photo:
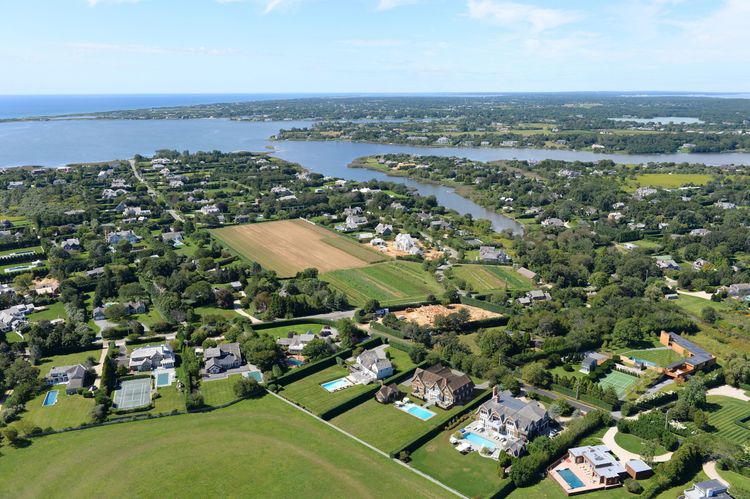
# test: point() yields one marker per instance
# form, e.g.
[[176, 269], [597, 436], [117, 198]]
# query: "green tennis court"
[[133, 393], [621, 382]]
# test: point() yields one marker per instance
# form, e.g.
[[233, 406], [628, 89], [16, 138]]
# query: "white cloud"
[[148, 49], [373, 43], [94, 3], [392, 4], [519, 15]]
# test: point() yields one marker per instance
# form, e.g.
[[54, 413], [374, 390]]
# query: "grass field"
[[220, 391], [47, 363], [289, 246], [263, 442], [473, 475], [308, 392], [635, 444], [695, 305], [391, 283], [486, 278], [619, 381], [283, 331], [668, 180], [169, 400], [385, 426], [54, 311], [662, 357], [69, 410], [723, 414]]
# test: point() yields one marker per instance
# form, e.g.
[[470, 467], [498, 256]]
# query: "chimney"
[[494, 392]]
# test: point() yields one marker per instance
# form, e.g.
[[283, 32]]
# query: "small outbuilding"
[[387, 393], [637, 469]]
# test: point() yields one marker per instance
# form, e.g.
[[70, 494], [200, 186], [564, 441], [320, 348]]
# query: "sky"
[[351, 46]]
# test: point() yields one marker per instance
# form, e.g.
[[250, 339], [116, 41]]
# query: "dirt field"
[[425, 316], [289, 246], [390, 250]]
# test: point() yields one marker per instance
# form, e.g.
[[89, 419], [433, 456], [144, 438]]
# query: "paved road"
[[152, 192], [709, 469]]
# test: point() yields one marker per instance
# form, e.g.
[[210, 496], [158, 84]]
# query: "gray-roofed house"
[[384, 229], [73, 376], [294, 343], [387, 393], [492, 254], [441, 386], [533, 296], [373, 365], [150, 358], [222, 358], [591, 360], [696, 358], [707, 489], [512, 417]]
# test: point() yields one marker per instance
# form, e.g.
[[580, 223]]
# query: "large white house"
[[150, 358], [72, 376], [405, 242], [372, 365]]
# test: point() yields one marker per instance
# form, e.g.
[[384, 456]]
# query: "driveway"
[[625, 455], [729, 391]]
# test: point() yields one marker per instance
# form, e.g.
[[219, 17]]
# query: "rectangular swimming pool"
[[162, 379], [336, 384], [50, 398], [417, 411], [479, 440], [572, 480], [256, 375]]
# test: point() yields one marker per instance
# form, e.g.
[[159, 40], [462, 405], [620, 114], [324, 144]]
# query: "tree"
[[116, 312], [648, 451], [246, 388], [737, 369], [224, 299], [709, 314], [316, 349], [199, 293], [11, 436], [417, 353], [692, 397], [536, 374], [371, 306], [195, 400]]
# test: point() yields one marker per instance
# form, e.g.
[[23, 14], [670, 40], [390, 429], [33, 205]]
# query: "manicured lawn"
[[223, 312], [283, 331], [470, 340], [562, 372], [220, 391], [54, 311], [390, 283], [470, 474], [723, 414], [735, 480], [169, 400], [695, 305], [487, 278], [13, 337], [662, 357], [68, 411], [35, 249], [549, 489], [149, 318], [387, 427], [621, 382], [308, 392], [263, 442], [635, 444], [47, 363], [668, 180]]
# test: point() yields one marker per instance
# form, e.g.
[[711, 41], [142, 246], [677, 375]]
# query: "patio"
[[500, 442]]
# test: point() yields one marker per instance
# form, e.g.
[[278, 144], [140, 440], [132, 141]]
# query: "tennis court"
[[133, 393], [621, 382]]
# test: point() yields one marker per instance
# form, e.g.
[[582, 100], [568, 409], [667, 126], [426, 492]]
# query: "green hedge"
[[440, 427], [290, 322], [582, 396], [377, 326], [367, 395], [491, 307], [145, 339]]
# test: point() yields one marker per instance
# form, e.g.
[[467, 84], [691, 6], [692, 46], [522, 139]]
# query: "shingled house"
[[441, 386]]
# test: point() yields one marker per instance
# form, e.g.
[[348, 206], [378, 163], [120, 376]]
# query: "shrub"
[[404, 456], [633, 486], [246, 388]]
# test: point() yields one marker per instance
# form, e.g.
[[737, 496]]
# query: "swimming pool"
[[570, 478], [256, 375], [19, 268], [50, 398], [292, 362], [336, 384], [417, 411], [479, 440], [162, 379]]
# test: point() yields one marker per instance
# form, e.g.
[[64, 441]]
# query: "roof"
[[637, 465], [222, 350], [604, 463], [697, 354], [442, 376], [524, 414]]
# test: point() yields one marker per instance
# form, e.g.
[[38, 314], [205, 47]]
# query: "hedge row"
[[440, 427], [377, 326], [25, 243], [314, 367], [290, 322], [35, 272], [26, 257], [144, 339], [582, 396], [367, 395], [492, 307]]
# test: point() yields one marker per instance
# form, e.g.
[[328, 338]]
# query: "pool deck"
[[589, 484]]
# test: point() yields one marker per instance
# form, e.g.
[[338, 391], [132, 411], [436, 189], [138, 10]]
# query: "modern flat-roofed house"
[[72, 376], [441, 386], [591, 360], [708, 489], [372, 365], [513, 417], [587, 468], [696, 359], [637, 469], [222, 358], [150, 358]]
